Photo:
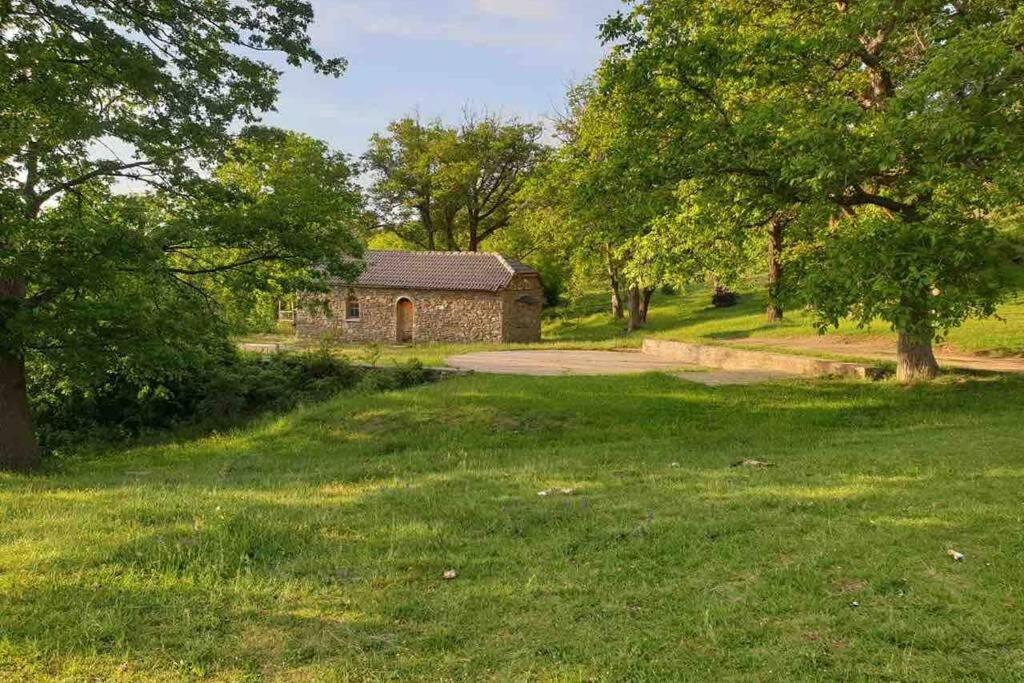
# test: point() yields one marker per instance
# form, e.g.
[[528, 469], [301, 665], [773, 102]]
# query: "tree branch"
[[105, 168], [858, 197], [226, 267]]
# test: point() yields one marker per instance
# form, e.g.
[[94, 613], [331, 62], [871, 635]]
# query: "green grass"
[[311, 546]]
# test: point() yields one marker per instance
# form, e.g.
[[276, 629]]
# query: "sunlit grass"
[[310, 546]]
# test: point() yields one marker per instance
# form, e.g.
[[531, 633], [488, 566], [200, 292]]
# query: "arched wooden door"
[[406, 321]]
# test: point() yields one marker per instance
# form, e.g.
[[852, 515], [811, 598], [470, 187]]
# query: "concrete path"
[[554, 363]]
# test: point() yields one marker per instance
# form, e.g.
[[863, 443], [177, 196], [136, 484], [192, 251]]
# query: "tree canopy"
[[94, 92], [450, 188], [894, 129]]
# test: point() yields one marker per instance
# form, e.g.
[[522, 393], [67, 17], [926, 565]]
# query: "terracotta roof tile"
[[440, 270]]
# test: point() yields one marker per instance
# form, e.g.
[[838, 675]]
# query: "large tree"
[[450, 188], [93, 91], [896, 126], [413, 193], [597, 195]]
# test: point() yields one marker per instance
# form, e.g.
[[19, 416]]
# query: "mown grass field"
[[311, 546]]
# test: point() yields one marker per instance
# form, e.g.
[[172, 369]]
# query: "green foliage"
[[218, 390], [591, 204], [878, 269], [888, 120], [94, 93], [450, 188], [159, 278]]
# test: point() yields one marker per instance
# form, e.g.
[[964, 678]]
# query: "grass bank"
[[311, 546]]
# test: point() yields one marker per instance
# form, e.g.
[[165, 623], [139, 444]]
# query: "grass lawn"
[[311, 546]]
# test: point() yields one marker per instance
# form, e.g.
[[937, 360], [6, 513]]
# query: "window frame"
[[351, 299]]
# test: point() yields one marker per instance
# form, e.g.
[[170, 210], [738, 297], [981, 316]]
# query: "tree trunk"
[[635, 316], [427, 221], [775, 246], [613, 280], [617, 309], [18, 448], [645, 304], [474, 239], [915, 359]]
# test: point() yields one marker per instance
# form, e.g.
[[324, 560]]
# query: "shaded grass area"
[[311, 546]]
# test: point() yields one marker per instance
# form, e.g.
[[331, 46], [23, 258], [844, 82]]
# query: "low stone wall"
[[727, 358]]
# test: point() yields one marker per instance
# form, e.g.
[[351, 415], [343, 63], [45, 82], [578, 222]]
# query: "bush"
[[391, 379], [724, 298], [123, 403]]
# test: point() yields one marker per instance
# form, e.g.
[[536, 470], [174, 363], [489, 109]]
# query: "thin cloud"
[[531, 10], [485, 23]]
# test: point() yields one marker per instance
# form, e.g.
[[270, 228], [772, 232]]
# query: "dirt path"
[[877, 348], [554, 363]]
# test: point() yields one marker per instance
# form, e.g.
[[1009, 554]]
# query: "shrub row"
[[219, 392]]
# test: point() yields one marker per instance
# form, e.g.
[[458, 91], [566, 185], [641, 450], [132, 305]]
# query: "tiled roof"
[[445, 270]]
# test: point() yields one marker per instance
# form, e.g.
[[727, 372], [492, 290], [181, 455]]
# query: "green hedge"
[[221, 391]]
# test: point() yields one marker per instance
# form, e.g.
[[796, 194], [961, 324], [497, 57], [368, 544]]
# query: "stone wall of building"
[[523, 304], [440, 316]]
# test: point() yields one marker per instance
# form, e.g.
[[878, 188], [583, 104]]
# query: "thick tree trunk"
[[915, 360], [635, 316], [18, 448], [775, 246], [645, 304]]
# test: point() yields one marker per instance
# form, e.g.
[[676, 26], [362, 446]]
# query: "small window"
[[352, 307]]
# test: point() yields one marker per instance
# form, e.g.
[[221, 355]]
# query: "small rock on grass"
[[752, 463], [552, 492], [450, 575]]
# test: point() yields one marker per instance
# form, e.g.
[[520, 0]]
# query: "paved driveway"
[[551, 363]]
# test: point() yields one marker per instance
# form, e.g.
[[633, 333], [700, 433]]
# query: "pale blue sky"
[[439, 56]]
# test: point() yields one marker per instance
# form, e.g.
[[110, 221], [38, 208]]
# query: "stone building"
[[414, 297]]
